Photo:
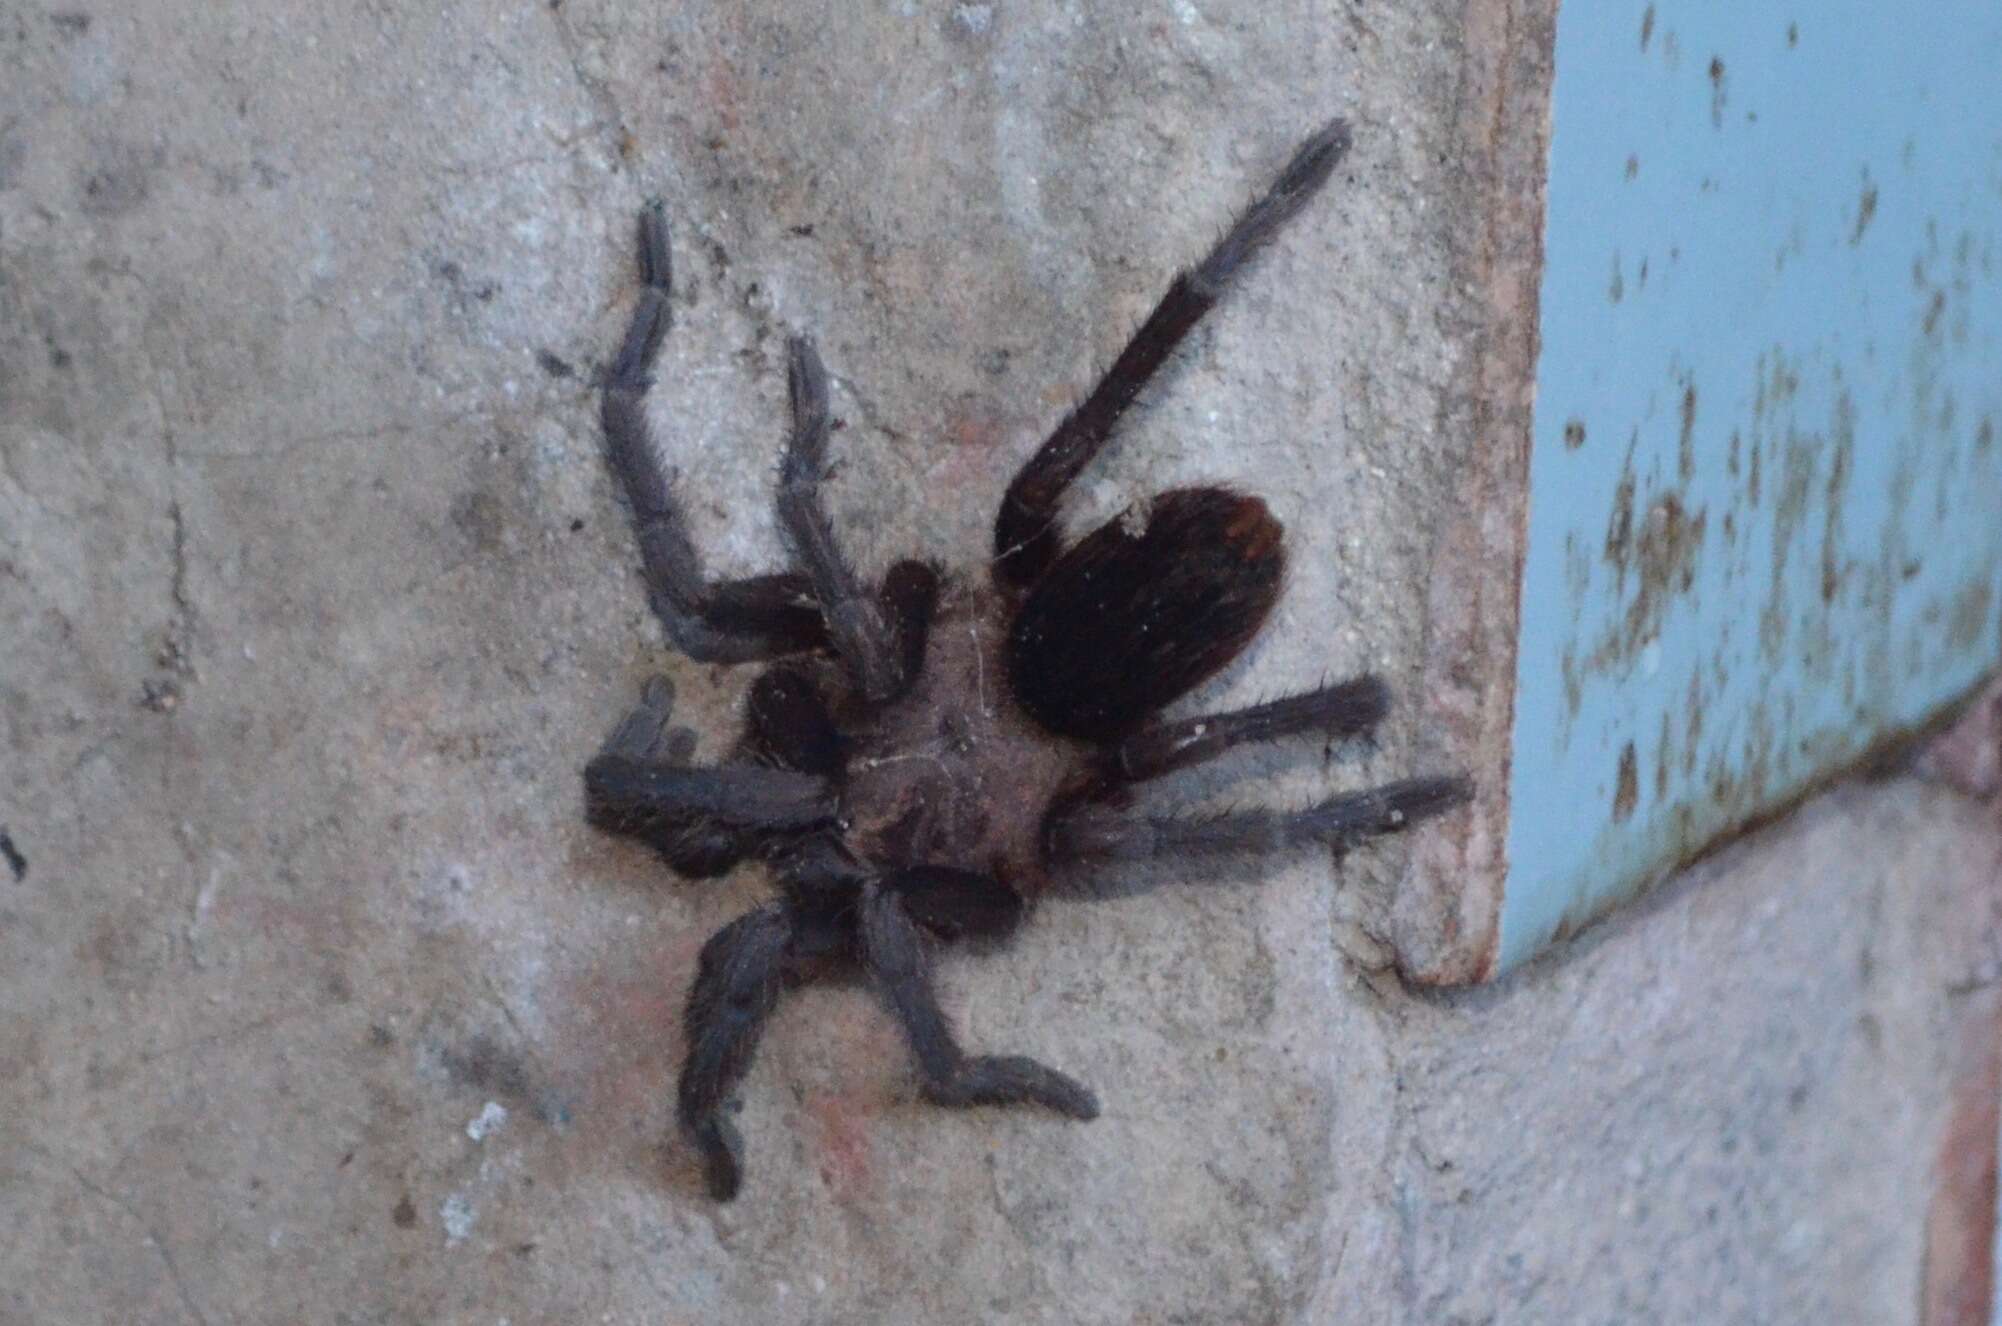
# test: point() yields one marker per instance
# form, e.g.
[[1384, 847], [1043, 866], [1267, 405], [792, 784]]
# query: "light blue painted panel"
[[1766, 478]]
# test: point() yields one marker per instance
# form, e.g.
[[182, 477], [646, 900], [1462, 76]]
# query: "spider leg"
[[1094, 834], [746, 796], [702, 820], [737, 983], [909, 594], [697, 846], [957, 904], [727, 622], [894, 950], [1025, 537], [790, 723], [865, 642], [1347, 709]]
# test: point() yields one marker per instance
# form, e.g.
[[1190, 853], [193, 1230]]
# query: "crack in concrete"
[[598, 90], [154, 1237], [867, 409], [507, 1010], [360, 433], [194, 1045], [8, 470], [181, 619]]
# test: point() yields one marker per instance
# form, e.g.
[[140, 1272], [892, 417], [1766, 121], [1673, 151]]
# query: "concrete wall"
[[315, 598]]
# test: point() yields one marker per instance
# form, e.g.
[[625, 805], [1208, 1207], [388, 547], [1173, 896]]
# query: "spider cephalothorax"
[[922, 753]]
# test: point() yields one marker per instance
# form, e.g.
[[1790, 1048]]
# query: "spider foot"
[[644, 734], [1013, 1080], [722, 1151]]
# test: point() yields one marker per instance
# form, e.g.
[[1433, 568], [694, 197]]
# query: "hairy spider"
[[930, 749]]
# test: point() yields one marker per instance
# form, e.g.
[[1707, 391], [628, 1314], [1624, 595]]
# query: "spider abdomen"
[[1143, 610]]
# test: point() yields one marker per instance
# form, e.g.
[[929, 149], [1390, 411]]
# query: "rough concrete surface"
[[320, 1003]]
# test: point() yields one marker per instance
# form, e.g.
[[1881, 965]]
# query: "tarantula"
[[926, 750]]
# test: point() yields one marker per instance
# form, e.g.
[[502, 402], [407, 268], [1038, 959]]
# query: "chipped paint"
[[1766, 502]]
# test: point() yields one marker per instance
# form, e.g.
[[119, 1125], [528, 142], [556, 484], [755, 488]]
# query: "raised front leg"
[[894, 950], [732, 621], [1025, 536]]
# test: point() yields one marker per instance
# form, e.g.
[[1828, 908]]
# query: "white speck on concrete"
[[457, 1215], [489, 1121], [976, 19], [198, 920]]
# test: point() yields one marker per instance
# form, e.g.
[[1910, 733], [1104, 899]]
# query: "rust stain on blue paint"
[[1766, 495]]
